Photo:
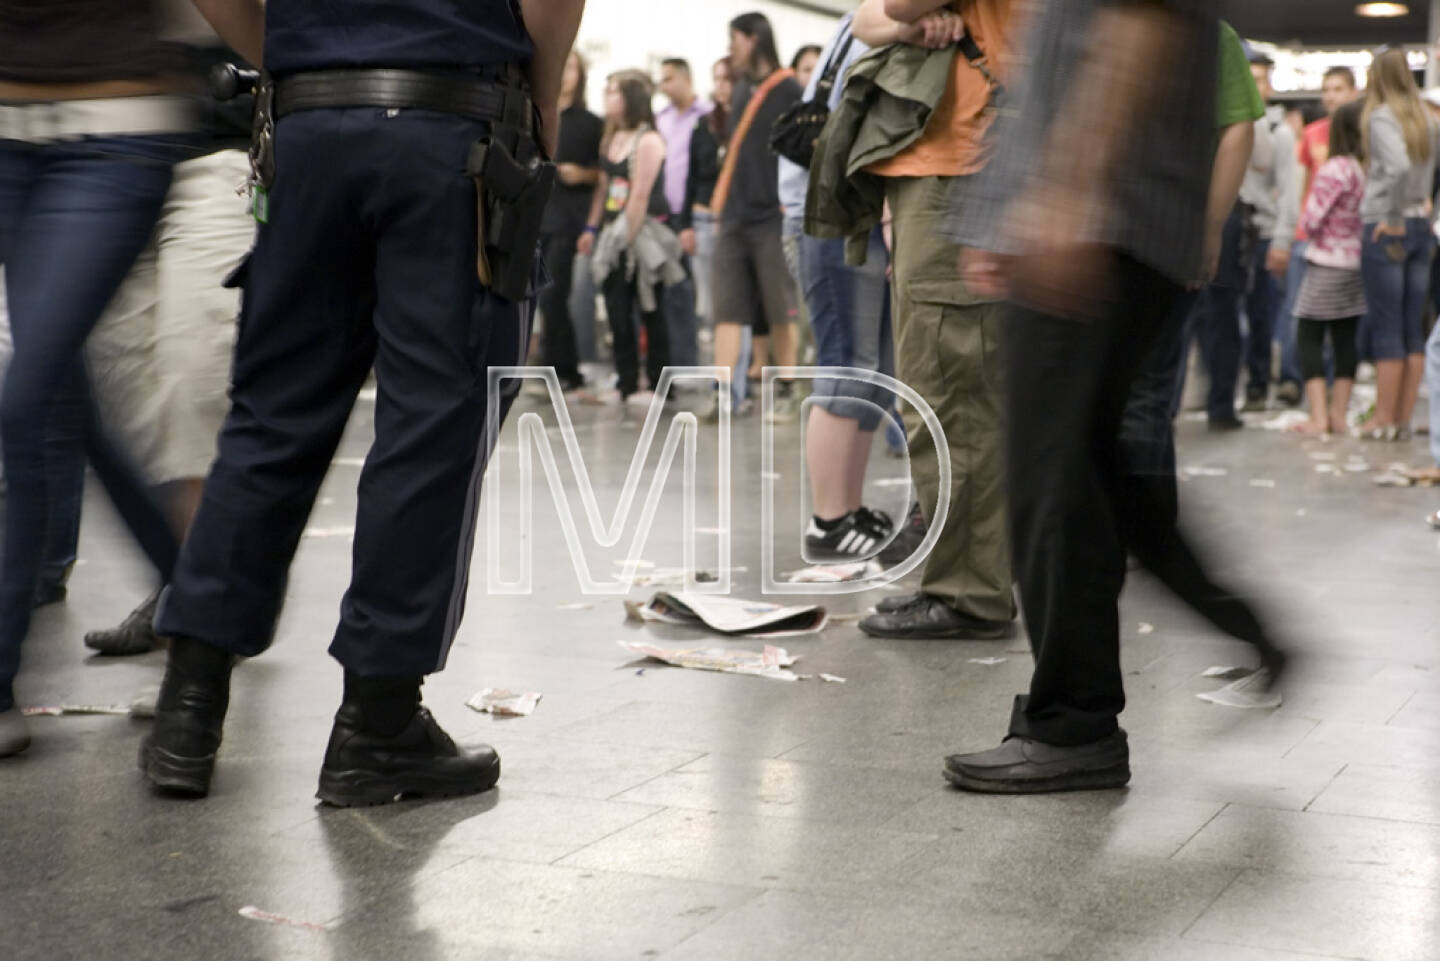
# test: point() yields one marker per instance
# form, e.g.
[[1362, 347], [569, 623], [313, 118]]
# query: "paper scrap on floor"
[[499, 702], [987, 661], [1287, 420], [834, 573], [772, 662], [1248, 693], [58, 710], [729, 615], [1203, 471], [1145, 628]]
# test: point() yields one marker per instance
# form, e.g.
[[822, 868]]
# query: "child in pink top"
[[1332, 296]]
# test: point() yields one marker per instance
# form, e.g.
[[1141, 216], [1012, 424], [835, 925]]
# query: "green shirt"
[[1238, 99]]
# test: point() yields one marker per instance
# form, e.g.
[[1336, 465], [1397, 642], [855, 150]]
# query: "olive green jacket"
[[887, 100]]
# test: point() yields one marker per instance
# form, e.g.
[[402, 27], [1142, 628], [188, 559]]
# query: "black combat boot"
[[178, 756], [385, 746]]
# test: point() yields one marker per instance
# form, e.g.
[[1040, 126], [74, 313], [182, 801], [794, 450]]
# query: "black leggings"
[[1310, 344], [622, 298]]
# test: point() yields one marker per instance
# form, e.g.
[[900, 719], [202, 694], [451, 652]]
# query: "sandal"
[[1381, 432]]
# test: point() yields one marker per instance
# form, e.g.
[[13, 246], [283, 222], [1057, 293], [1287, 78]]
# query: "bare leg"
[[1389, 375], [828, 443], [181, 500], [759, 354], [1315, 400], [1414, 374], [1340, 403], [727, 346], [860, 447]]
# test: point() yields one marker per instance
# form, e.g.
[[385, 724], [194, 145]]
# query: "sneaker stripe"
[[844, 544]]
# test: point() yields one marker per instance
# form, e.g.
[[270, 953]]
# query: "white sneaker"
[[641, 398], [14, 732]]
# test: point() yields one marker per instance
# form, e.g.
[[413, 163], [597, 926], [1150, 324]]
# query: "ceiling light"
[[1382, 10]]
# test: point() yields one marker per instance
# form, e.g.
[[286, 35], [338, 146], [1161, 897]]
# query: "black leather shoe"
[[931, 618], [897, 603], [135, 635], [1289, 393], [907, 540], [1226, 423], [1024, 766], [178, 756], [363, 768]]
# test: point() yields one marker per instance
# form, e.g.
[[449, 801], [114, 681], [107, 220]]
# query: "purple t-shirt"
[[676, 126]]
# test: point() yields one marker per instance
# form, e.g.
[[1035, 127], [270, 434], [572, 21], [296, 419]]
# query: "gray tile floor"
[[662, 813]]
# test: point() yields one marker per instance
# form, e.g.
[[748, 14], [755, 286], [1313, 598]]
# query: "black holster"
[[512, 186]]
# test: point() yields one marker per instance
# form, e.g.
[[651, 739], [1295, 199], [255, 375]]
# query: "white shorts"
[[160, 357]]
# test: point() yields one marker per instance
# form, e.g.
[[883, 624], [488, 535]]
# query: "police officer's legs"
[[439, 330], [304, 347]]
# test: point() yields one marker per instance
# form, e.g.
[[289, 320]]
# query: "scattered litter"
[[348, 462], [1228, 673], [1262, 482], [891, 482], [1322, 455], [1393, 480], [1285, 421], [1328, 469], [1248, 693], [1357, 467], [834, 573], [1146, 628], [329, 532], [58, 710], [832, 679], [1202, 471], [772, 662], [574, 606], [502, 703], [255, 914], [729, 615], [988, 661]]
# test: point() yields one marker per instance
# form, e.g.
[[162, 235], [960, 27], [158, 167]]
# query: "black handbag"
[[795, 131]]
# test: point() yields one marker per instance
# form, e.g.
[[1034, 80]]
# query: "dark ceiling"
[[1324, 22]]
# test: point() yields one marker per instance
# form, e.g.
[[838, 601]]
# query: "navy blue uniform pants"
[[368, 258]]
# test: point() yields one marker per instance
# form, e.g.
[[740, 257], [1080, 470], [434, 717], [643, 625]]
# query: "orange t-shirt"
[[953, 143]]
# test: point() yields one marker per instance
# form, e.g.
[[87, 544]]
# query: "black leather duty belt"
[[459, 93]]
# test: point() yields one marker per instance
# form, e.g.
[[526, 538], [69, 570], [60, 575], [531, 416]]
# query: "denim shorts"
[[1396, 274], [850, 315]]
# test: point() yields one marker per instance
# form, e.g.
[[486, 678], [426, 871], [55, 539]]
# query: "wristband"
[[591, 229]]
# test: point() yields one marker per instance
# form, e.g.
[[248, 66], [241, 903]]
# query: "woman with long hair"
[[577, 170], [1399, 147], [628, 208]]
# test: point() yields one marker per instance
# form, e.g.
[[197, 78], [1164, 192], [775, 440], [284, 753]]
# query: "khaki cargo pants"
[[947, 348]]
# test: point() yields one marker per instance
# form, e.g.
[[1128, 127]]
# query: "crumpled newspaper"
[[772, 662], [502, 703]]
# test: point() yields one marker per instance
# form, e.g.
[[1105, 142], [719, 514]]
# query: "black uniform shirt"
[[320, 34], [580, 133]]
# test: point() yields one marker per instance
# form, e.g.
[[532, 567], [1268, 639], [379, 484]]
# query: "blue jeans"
[[1432, 380], [1285, 317], [73, 218], [682, 321], [1260, 318], [850, 314], [1396, 272]]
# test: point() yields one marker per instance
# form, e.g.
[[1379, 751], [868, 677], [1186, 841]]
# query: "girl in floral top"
[[1332, 296]]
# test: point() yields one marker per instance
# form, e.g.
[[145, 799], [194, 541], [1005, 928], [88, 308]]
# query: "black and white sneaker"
[[857, 536]]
